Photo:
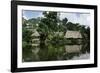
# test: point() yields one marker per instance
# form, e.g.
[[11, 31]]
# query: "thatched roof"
[[35, 33], [73, 34]]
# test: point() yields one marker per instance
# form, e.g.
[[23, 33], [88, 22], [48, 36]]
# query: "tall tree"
[[47, 25]]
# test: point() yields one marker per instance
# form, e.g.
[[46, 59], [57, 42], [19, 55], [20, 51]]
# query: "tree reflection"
[[53, 52]]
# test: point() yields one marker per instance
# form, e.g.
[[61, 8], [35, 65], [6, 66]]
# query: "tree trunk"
[[42, 40]]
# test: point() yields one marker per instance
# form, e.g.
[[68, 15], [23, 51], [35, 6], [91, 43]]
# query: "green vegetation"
[[51, 37]]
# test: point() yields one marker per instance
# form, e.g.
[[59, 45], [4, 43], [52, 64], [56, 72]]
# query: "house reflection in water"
[[73, 48]]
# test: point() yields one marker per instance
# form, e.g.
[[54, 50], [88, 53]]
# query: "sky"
[[28, 14], [82, 18]]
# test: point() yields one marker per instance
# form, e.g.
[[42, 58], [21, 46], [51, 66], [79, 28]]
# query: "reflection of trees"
[[85, 48], [69, 56], [50, 52], [30, 54], [52, 30]]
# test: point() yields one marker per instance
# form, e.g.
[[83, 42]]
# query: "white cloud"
[[25, 17], [83, 19]]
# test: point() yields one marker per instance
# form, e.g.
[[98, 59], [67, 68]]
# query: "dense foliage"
[[52, 31]]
